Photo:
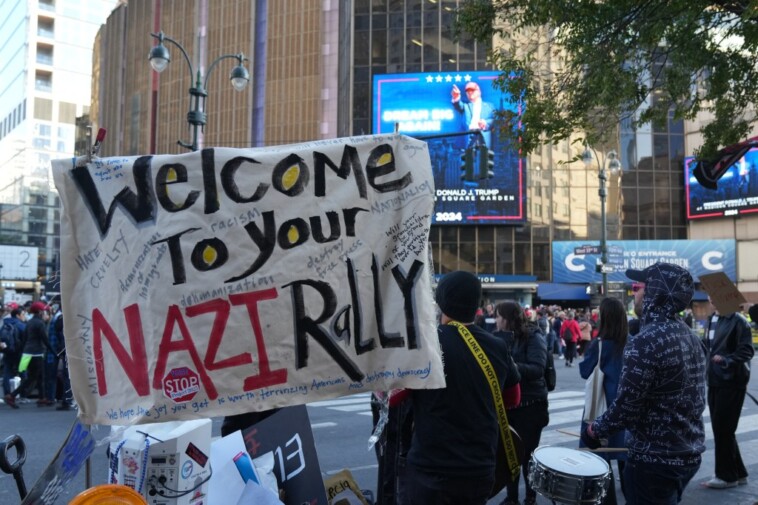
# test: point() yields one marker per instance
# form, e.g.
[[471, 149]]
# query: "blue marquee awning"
[[558, 291]]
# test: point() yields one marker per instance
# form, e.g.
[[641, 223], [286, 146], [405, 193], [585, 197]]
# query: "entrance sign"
[[233, 280]]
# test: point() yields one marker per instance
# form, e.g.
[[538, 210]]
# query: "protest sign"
[[232, 280], [723, 293], [287, 434]]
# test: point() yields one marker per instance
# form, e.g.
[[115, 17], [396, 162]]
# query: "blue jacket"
[[661, 396], [610, 363]]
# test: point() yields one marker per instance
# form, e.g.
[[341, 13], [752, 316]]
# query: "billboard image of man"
[[477, 114]]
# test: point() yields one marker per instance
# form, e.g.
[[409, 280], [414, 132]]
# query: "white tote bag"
[[594, 393]]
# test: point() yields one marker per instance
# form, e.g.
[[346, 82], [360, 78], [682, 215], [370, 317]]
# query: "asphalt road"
[[341, 428]]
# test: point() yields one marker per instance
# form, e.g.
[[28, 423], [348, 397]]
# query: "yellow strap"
[[497, 395]]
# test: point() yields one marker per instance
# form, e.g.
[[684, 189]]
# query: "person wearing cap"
[[477, 114], [661, 394], [35, 345], [452, 454], [730, 349], [11, 356]]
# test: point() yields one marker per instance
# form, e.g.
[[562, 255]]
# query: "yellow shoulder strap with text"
[[497, 395]]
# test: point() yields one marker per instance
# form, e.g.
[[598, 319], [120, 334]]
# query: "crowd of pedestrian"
[[34, 355]]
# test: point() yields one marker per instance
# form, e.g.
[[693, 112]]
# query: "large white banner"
[[234, 280]]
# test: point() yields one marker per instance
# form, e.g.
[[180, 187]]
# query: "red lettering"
[[135, 365], [266, 376], [221, 308], [167, 346]]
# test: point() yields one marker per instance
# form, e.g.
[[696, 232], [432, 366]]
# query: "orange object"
[[109, 494]]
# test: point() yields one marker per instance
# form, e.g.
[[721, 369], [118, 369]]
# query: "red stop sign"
[[181, 384]]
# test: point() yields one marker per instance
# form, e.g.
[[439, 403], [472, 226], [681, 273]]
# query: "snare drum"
[[569, 476]]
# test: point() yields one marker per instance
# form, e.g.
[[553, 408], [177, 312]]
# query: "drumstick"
[[600, 449]]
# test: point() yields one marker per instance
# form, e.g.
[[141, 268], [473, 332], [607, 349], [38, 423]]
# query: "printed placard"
[[233, 280]]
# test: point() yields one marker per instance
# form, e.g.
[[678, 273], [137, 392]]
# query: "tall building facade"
[[312, 63], [46, 57]]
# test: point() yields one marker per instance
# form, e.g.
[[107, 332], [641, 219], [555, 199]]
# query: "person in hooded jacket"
[[529, 350], [661, 395]]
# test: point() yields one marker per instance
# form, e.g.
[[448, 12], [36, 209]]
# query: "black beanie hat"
[[458, 295]]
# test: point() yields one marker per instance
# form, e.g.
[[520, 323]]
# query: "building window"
[[41, 143], [45, 28], [44, 55], [67, 112], [43, 109], [46, 5], [43, 81]]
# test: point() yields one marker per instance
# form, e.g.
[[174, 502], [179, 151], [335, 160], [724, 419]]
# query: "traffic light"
[[486, 163], [467, 165]]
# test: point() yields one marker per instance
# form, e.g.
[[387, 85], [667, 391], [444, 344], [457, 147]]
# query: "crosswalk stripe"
[[340, 401], [563, 414], [563, 404], [563, 394], [351, 408]]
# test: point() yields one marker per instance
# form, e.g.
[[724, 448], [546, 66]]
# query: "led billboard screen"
[[445, 105], [737, 191]]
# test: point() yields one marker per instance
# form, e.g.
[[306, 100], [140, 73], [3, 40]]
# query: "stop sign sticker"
[[181, 384]]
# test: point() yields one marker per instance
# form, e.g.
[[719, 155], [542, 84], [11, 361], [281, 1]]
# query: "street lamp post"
[[159, 58], [602, 175]]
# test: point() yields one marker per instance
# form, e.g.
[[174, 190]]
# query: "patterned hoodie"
[[661, 394]]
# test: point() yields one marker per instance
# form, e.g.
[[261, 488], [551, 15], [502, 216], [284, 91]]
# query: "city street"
[[341, 428]]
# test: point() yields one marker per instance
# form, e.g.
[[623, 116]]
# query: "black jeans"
[[656, 484], [424, 488], [570, 352], [725, 405], [528, 422], [35, 376]]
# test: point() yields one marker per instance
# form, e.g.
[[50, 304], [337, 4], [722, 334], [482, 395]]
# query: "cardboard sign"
[[257, 278], [287, 434], [724, 294]]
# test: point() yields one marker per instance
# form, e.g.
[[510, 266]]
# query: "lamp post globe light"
[[613, 165], [159, 58]]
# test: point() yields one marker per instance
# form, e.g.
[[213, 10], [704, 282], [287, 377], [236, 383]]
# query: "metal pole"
[[601, 175]]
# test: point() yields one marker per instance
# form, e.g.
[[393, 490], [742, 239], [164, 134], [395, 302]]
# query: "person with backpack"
[[11, 343], [35, 345], [571, 334]]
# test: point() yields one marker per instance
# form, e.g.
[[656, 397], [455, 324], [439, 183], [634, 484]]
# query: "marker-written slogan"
[[230, 280]]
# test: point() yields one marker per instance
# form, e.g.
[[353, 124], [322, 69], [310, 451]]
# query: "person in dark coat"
[[612, 332], [452, 455], [730, 349], [35, 345], [12, 355], [529, 350], [661, 395]]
